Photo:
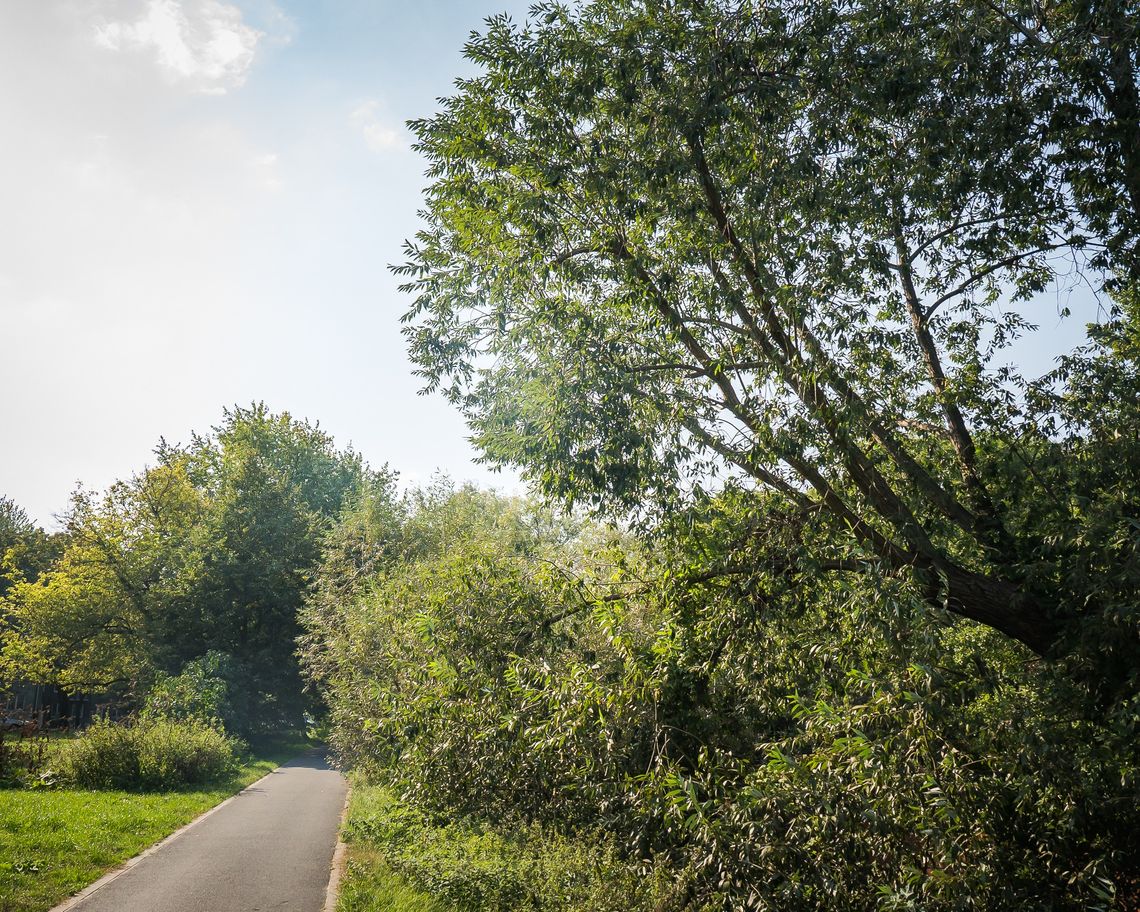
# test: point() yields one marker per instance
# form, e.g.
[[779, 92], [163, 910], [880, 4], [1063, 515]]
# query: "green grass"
[[369, 883], [55, 842], [401, 860]]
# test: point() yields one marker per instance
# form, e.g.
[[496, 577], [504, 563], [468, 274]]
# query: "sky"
[[200, 201]]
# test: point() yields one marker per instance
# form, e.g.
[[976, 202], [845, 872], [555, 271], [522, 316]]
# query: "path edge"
[[76, 898], [339, 858]]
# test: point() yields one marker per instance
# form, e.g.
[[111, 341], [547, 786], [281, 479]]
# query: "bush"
[[200, 692], [843, 749], [173, 754], [152, 754]]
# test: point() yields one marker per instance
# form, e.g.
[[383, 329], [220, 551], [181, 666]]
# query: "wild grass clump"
[[470, 867], [149, 755], [25, 761]]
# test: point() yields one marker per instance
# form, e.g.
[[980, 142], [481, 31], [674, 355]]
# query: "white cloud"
[[377, 134], [202, 43], [265, 170]]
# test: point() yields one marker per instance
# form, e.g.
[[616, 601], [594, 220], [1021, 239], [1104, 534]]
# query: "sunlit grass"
[[369, 884]]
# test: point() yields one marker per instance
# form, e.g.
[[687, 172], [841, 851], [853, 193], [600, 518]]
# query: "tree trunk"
[[1001, 605]]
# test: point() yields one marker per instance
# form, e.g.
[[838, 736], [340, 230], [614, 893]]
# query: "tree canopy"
[[26, 550], [672, 246], [207, 551]]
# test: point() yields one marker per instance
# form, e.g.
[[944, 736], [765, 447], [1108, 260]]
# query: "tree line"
[[202, 557]]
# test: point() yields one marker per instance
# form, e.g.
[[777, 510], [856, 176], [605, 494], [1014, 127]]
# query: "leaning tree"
[[786, 245]]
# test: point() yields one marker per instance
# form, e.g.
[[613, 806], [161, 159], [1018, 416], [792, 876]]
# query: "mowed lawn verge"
[[54, 842]]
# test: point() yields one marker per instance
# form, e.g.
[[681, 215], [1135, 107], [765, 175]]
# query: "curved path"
[[269, 847]]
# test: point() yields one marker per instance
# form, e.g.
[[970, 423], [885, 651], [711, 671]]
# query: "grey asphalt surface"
[[270, 848]]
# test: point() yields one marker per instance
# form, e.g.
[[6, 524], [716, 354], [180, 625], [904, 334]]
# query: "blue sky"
[[201, 199], [200, 208]]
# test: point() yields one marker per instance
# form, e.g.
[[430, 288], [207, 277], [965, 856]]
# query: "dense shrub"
[[152, 754], [215, 689], [848, 750], [413, 671], [199, 692]]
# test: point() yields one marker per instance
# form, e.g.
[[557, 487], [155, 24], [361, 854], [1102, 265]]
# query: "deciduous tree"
[[785, 245]]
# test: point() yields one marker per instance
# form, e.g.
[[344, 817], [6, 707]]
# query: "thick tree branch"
[[800, 378], [960, 435]]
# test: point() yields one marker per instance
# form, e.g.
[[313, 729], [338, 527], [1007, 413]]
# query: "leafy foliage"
[[752, 746], [414, 660], [747, 275], [199, 693], [678, 246], [208, 550], [26, 550], [150, 755]]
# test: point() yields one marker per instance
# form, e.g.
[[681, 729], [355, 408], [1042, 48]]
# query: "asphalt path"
[[269, 848]]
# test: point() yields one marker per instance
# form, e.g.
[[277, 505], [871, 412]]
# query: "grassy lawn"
[[55, 842]]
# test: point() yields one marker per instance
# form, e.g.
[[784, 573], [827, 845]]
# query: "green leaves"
[[673, 246], [757, 733], [742, 276], [209, 549]]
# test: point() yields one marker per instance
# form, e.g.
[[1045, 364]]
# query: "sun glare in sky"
[[202, 199]]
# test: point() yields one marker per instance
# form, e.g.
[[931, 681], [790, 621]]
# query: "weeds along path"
[[270, 847]]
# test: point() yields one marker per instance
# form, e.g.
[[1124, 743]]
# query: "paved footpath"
[[270, 848]]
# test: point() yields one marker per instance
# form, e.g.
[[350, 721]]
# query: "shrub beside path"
[[269, 847]]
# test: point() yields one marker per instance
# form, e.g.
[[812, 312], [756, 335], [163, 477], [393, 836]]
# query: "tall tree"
[[784, 243], [115, 602], [274, 485]]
